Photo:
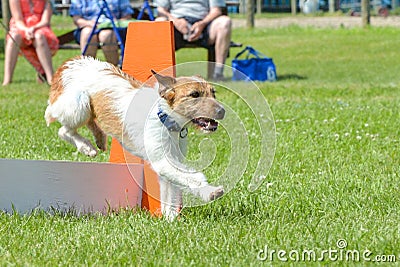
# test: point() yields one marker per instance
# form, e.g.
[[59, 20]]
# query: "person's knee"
[[85, 33], [220, 29], [223, 24], [39, 37], [16, 37], [39, 40], [106, 36]]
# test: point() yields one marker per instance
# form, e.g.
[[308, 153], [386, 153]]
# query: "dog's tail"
[[47, 116], [70, 109]]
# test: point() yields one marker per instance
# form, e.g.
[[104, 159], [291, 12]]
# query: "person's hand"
[[29, 33], [196, 30], [181, 25], [84, 23], [90, 23]]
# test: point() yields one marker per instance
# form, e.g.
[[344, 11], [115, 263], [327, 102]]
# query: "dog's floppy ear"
[[166, 89]]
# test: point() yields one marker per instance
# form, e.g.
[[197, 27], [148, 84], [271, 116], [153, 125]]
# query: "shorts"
[[180, 42]]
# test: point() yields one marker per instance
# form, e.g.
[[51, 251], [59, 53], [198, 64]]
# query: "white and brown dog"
[[150, 125]]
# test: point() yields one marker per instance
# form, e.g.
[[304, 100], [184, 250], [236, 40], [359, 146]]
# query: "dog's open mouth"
[[205, 124]]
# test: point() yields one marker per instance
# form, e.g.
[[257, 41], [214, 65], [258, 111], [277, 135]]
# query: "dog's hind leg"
[[82, 144], [73, 111], [99, 135]]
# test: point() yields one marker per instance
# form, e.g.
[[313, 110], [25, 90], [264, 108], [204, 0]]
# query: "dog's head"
[[192, 98]]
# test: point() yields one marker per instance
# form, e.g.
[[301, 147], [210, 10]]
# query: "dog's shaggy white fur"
[[86, 91]]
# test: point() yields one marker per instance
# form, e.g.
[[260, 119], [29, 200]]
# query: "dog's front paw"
[[170, 214], [219, 192], [209, 192]]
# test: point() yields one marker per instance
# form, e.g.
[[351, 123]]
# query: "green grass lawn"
[[335, 174]]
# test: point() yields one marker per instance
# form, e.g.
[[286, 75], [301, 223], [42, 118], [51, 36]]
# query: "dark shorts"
[[180, 42], [121, 31]]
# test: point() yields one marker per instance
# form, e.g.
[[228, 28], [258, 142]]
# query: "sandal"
[[41, 78]]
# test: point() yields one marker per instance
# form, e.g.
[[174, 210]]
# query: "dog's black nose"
[[220, 113]]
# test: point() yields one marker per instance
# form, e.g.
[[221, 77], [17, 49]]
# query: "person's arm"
[[46, 17], [198, 27], [126, 11], [77, 11], [82, 23], [214, 13], [45, 21], [180, 23], [16, 13]]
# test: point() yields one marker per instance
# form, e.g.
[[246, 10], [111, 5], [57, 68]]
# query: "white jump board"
[[78, 186]]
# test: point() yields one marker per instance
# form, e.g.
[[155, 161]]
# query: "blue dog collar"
[[170, 124]]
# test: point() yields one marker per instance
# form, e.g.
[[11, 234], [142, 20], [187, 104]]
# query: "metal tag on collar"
[[184, 132]]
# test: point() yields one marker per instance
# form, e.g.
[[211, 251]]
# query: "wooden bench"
[[61, 6], [234, 4], [67, 40]]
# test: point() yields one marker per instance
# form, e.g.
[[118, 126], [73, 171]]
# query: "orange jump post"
[[149, 45]]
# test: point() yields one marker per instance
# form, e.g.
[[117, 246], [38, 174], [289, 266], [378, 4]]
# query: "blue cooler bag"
[[256, 68]]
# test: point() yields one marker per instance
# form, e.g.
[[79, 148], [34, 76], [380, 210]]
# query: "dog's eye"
[[195, 94]]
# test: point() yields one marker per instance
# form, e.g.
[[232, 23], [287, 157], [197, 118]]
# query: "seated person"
[[200, 22], [84, 14], [30, 35]]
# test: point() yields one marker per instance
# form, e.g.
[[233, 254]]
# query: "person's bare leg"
[[92, 47], [220, 35], [44, 54], [11, 56], [161, 18], [110, 46]]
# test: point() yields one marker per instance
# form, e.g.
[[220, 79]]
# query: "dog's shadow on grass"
[[291, 76], [225, 209]]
